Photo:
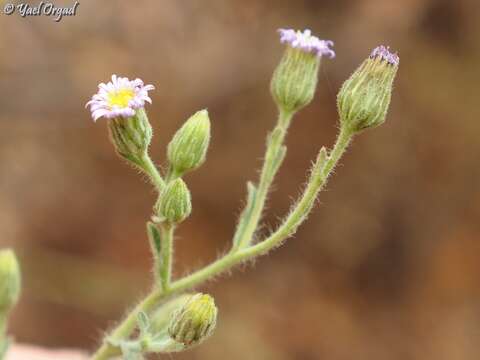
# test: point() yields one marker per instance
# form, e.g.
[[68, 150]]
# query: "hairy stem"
[[274, 155], [123, 331], [166, 254], [149, 167], [320, 173]]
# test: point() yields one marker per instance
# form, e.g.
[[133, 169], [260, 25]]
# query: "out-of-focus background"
[[387, 267]]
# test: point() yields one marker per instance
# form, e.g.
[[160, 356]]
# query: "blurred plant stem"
[[323, 167], [3, 335]]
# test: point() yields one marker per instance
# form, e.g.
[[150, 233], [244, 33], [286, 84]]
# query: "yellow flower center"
[[120, 98]]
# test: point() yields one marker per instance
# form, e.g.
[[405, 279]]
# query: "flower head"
[[307, 42], [364, 99], [383, 53], [295, 79], [194, 321], [120, 97]]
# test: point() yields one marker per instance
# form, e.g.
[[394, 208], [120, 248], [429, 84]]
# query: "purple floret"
[[384, 53], [307, 42]]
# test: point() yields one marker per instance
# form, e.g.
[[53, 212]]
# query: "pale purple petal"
[[307, 42], [384, 54], [100, 105]]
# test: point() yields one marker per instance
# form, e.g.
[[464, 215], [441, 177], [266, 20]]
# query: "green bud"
[[188, 148], [9, 280], [175, 203], [194, 321], [295, 79], [160, 318], [364, 98], [131, 136]]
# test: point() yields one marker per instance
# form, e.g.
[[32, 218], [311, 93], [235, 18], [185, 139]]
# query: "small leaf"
[[252, 193], [275, 135], [154, 239], [131, 351], [143, 322], [322, 156], [277, 162]]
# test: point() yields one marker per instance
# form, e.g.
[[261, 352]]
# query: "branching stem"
[[321, 170], [274, 156]]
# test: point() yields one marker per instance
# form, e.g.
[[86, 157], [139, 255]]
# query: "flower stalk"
[[274, 156], [321, 170], [362, 103]]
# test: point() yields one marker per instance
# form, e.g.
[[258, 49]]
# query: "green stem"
[[163, 264], [274, 155], [152, 171], [3, 326], [3, 335], [320, 172], [166, 254], [123, 331]]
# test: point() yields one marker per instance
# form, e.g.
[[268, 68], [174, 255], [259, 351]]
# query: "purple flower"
[[119, 98], [307, 42], [384, 54]]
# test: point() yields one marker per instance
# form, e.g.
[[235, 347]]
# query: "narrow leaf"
[[154, 239], [252, 193], [143, 322]]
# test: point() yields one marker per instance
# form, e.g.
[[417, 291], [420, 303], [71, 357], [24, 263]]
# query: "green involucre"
[[175, 203], [295, 79], [364, 98], [188, 148]]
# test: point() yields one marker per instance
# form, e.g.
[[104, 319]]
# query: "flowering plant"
[[170, 318]]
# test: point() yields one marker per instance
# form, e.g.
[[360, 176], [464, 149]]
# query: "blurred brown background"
[[387, 267]]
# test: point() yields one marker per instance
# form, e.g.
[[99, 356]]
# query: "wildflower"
[[364, 98], [122, 101], [120, 97], [295, 78]]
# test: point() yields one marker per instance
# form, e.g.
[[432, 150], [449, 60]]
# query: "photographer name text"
[[42, 9]]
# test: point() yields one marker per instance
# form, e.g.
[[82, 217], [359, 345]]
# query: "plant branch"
[[274, 155], [321, 170], [320, 173], [151, 170]]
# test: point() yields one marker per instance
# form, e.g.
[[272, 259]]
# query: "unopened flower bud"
[[9, 280], [188, 148], [194, 321], [174, 204], [295, 79], [364, 98]]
